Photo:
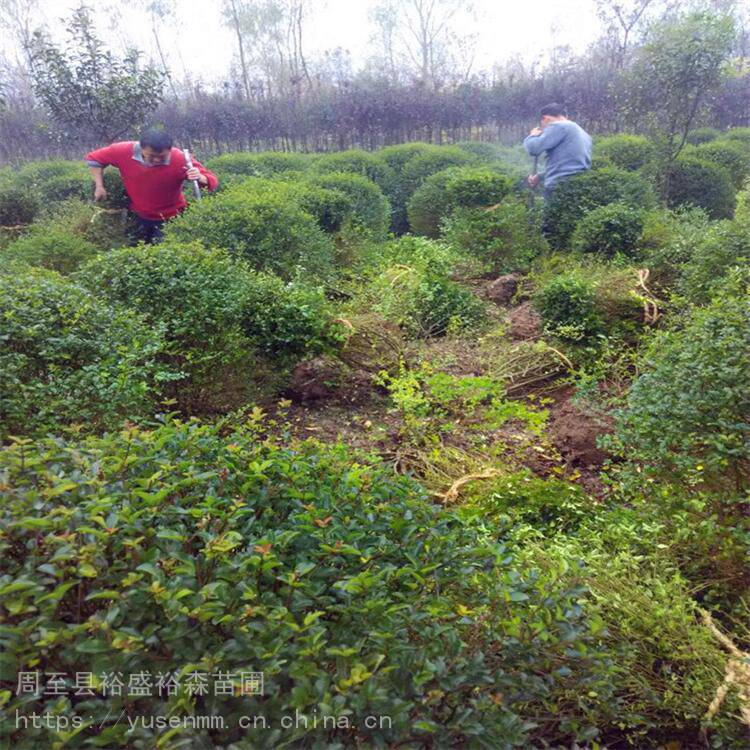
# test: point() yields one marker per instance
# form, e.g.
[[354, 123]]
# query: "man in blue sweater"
[[567, 145]]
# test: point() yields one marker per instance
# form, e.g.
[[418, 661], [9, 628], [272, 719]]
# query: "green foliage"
[[568, 307], [739, 134], [452, 188], [355, 161], [87, 87], [724, 245], [551, 505], [68, 357], [117, 196], [55, 249], [733, 155], [330, 207], [702, 184], [267, 164], [370, 208], [666, 664], [414, 164], [271, 232], [194, 295], [424, 303], [574, 197], [702, 135], [668, 241], [287, 321], [203, 549], [629, 152], [688, 413], [608, 230], [674, 75], [216, 313], [56, 180], [431, 403], [17, 206], [503, 237]]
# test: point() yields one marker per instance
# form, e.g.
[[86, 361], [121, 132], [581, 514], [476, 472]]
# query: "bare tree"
[[420, 36]]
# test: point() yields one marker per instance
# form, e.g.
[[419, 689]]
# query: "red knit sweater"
[[155, 192]]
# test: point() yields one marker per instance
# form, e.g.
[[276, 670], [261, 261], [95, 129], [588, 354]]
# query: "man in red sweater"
[[152, 172]]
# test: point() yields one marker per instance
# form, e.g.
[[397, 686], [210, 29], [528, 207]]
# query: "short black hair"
[[554, 110], [159, 140]]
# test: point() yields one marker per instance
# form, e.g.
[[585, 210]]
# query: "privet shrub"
[[574, 197], [455, 187], [668, 241], [667, 665], [687, 414], [196, 296], [17, 206], [608, 230], [53, 248], [216, 314], [502, 237], [630, 152], [702, 184], [724, 246], [56, 180], [330, 207], [192, 549], [269, 231], [117, 196], [739, 134], [266, 164], [355, 161], [70, 357], [567, 304], [424, 303], [370, 207], [104, 229], [702, 135], [733, 155]]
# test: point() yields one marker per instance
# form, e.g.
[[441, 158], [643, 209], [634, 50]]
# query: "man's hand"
[[194, 174], [533, 180], [535, 131], [100, 194]]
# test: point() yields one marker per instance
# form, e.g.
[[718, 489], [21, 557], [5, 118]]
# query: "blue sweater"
[[568, 148]]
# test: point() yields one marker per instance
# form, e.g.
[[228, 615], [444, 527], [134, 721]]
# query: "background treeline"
[[417, 83]]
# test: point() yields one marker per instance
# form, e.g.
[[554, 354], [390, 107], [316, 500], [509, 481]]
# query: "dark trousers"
[[149, 230]]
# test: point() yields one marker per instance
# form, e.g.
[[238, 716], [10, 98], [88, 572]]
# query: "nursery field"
[[359, 456]]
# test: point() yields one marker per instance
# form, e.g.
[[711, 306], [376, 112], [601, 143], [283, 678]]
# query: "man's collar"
[[138, 156]]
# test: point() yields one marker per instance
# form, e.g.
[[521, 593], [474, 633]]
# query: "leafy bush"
[[56, 180], [117, 196], [733, 155], [668, 241], [69, 357], [205, 550], [688, 413], [216, 314], [355, 161], [416, 252], [17, 206], [568, 307], [503, 238], [608, 230], [723, 246], [666, 663], [630, 152], [268, 164], [370, 208], [574, 197], [702, 184], [423, 302], [330, 207], [55, 249], [739, 134], [272, 233], [702, 135], [550, 505], [455, 187]]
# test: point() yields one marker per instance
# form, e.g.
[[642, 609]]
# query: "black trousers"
[[149, 230]]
